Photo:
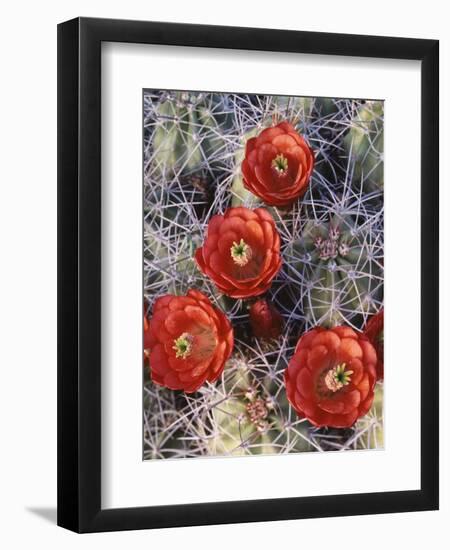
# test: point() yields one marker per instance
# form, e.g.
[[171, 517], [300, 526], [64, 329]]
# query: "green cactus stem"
[[189, 132], [250, 420], [364, 143], [340, 269]]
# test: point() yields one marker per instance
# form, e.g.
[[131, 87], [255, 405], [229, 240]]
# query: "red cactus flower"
[[375, 333], [277, 165], [265, 320], [188, 341], [241, 252], [331, 377]]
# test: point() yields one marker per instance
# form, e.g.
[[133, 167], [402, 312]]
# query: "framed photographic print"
[[248, 275]]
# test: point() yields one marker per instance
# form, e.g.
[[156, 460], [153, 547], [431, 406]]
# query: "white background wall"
[[28, 271]]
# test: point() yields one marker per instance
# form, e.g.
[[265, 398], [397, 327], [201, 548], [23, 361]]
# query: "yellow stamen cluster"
[[337, 377], [241, 253], [280, 164], [183, 345]]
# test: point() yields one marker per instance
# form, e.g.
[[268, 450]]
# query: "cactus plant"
[[182, 193], [240, 196], [364, 143], [188, 132], [342, 268], [249, 420]]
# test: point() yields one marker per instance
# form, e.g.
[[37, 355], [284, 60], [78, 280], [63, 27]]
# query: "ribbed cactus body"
[[240, 196], [364, 143], [302, 108], [250, 420], [340, 272], [194, 144], [189, 132]]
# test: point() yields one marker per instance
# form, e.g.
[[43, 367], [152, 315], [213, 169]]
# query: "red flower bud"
[[375, 333], [265, 319]]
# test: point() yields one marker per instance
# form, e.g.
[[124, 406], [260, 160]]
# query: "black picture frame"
[[79, 274]]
